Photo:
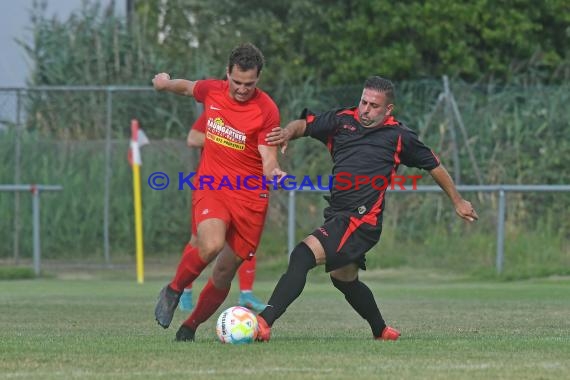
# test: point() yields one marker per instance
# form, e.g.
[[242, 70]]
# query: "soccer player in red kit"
[[246, 271], [239, 116]]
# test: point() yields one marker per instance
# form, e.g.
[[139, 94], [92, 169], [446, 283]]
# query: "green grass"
[[103, 328], [16, 273]]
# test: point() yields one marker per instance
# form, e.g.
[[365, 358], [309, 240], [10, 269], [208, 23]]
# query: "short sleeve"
[[416, 154], [271, 119], [321, 127], [201, 89], [200, 123]]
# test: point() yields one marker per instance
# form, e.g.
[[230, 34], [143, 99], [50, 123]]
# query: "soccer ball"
[[237, 325]]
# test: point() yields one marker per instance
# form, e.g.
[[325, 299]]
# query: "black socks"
[[291, 284], [362, 300]]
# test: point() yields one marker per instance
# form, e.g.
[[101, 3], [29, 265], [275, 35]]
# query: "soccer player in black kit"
[[364, 142]]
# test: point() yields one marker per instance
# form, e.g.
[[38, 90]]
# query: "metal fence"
[[78, 137], [17, 108], [109, 91], [35, 190], [501, 214]]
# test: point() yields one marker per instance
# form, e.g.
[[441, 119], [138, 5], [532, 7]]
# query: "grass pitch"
[[101, 328]]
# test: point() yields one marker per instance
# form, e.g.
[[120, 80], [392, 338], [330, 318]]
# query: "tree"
[[342, 41]]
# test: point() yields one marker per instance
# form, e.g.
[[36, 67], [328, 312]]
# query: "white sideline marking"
[[81, 373]]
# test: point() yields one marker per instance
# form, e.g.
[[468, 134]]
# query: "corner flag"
[[138, 139]]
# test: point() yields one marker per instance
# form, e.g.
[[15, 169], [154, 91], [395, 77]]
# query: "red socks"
[[210, 299], [246, 274], [190, 267]]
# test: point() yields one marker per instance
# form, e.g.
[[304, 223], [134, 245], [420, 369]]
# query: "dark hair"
[[247, 56], [382, 85]]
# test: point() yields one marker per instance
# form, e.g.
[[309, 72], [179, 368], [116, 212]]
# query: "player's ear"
[[389, 109]]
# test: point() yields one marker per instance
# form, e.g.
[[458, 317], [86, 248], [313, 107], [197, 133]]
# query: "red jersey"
[[200, 123], [231, 161]]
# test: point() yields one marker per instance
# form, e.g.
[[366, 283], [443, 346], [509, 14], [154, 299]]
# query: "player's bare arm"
[[292, 131], [270, 164], [162, 82], [463, 208], [195, 139]]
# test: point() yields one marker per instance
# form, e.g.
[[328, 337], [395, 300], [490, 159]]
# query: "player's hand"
[[280, 137], [280, 175], [466, 211], [160, 81], [277, 172]]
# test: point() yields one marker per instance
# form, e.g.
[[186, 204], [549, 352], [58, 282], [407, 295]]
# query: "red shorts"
[[244, 219]]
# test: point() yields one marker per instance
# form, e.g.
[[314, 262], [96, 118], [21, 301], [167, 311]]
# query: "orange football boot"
[[389, 333], [264, 331]]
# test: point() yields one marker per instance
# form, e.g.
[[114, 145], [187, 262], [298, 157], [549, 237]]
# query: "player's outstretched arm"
[[293, 130], [463, 208], [162, 82]]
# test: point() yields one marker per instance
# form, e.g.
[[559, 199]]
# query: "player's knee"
[[347, 273], [339, 284], [343, 284], [302, 258], [209, 248]]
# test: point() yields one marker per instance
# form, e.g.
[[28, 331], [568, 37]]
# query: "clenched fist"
[[160, 81]]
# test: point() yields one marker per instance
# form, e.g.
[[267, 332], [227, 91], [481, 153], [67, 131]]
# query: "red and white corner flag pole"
[[138, 139]]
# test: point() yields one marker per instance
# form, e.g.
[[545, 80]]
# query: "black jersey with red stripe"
[[373, 153]]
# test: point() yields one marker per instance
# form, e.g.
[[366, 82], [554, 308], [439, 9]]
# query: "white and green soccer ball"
[[237, 325]]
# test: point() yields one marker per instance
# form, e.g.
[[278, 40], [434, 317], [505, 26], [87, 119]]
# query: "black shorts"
[[346, 238]]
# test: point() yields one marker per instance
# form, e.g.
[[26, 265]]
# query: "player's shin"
[[362, 300], [208, 302], [189, 268], [291, 284]]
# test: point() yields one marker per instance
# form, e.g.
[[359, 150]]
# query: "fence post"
[[36, 228], [291, 223], [107, 176], [501, 232], [35, 190], [449, 117], [17, 176]]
